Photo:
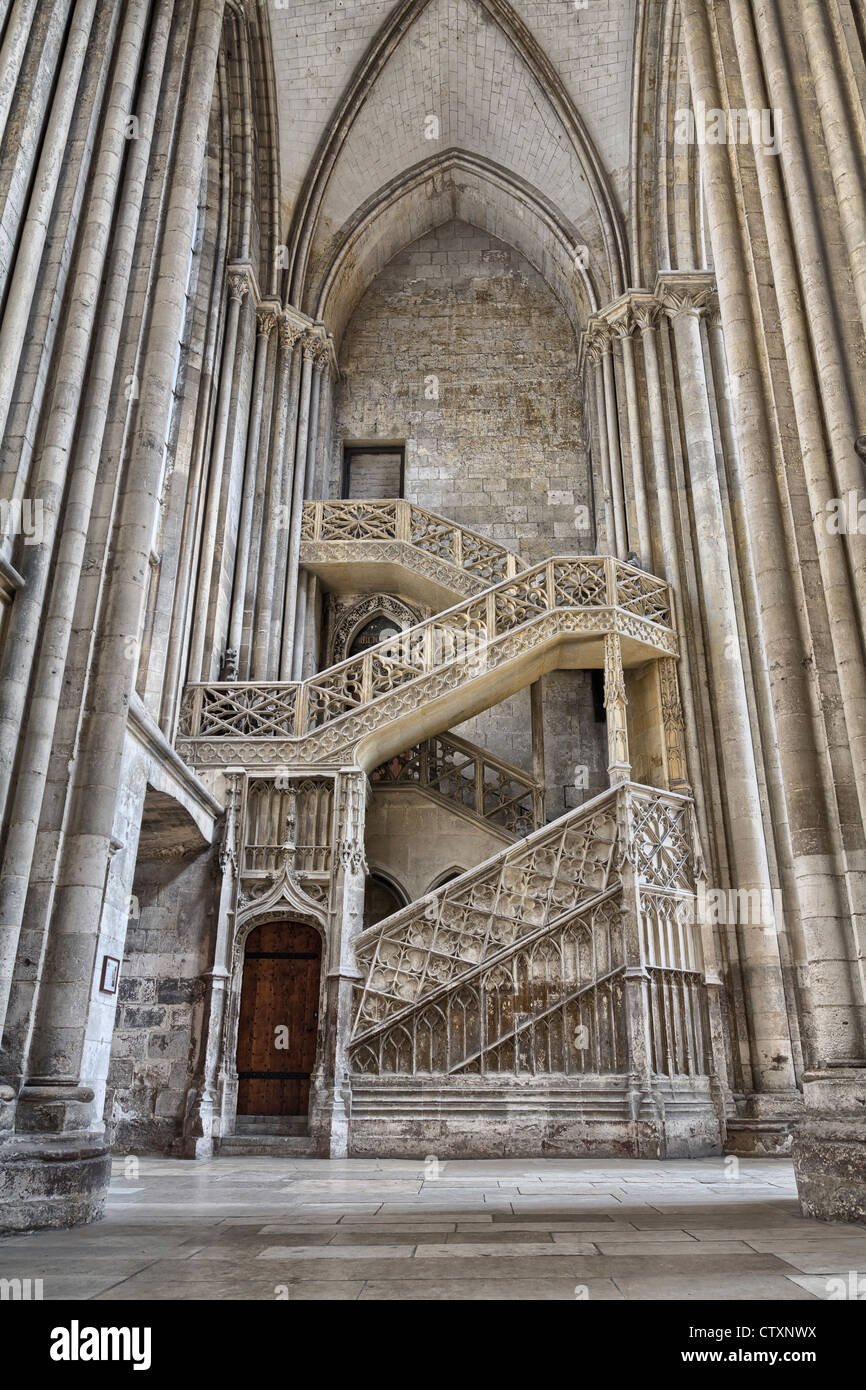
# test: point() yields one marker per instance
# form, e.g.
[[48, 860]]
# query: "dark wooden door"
[[278, 1019]]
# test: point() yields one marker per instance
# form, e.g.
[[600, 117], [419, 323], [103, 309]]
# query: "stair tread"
[[264, 1145]]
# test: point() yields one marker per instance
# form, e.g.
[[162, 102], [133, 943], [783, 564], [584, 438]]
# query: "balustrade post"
[[302, 705], [610, 581], [458, 547], [403, 521], [491, 617], [550, 583], [366, 678], [197, 704]]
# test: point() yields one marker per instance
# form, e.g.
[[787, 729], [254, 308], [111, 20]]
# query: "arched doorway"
[[278, 1020], [382, 897], [378, 629]]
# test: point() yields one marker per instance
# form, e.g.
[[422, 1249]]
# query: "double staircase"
[[555, 998], [441, 671]]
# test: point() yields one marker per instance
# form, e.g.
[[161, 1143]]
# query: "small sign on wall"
[[110, 972]]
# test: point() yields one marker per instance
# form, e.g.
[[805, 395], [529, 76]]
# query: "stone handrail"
[[398, 520], [578, 594], [538, 938], [492, 789]]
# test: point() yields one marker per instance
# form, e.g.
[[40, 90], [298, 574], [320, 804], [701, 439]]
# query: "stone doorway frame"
[[258, 914]]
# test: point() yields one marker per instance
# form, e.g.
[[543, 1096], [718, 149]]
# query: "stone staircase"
[[546, 921], [458, 774], [558, 990], [436, 674], [268, 1136]]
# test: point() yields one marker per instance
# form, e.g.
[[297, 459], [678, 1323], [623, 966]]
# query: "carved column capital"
[[677, 303], [267, 318], [238, 284], [647, 313], [623, 326], [598, 339], [688, 292], [290, 333], [323, 356], [312, 347]]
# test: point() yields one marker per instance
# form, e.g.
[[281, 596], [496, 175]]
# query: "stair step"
[[267, 1146], [271, 1124]]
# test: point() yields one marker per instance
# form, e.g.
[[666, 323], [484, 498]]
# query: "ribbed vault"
[[466, 85], [453, 185]]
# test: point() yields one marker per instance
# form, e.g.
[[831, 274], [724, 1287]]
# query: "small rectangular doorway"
[[373, 471]]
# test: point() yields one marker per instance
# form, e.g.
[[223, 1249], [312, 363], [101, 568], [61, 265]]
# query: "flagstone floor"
[[269, 1228]]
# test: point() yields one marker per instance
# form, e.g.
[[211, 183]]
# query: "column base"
[[830, 1145], [763, 1124], [329, 1120], [830, 1168], [52, 1180]]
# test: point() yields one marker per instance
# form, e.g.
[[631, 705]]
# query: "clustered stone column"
[[684, 301], [782, 258], [315, 355], [57, 1159], [273, 595], [266, 320]]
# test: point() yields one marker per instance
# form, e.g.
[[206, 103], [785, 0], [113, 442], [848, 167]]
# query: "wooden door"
[[278, 1019]]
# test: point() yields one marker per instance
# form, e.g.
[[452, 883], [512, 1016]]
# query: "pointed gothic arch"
[[359, 90], [475, 190]]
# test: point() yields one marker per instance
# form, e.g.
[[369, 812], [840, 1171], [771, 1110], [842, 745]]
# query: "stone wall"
[[156, 1044], [502, 449]]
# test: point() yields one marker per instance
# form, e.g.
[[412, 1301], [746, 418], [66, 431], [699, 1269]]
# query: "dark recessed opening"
[[373, 470]]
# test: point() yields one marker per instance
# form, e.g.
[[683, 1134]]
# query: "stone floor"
[[268, 1228]]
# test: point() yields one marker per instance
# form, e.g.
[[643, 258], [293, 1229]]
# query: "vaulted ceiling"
[[531, 101]]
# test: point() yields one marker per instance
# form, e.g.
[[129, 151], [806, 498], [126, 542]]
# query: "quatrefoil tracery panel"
[[661, 834]]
